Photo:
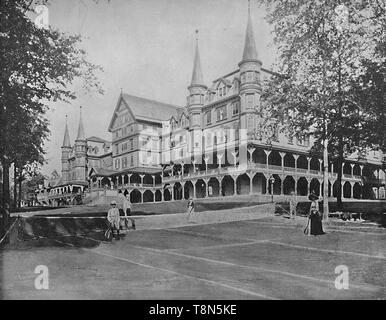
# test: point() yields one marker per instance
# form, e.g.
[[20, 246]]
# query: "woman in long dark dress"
[[316, 227]]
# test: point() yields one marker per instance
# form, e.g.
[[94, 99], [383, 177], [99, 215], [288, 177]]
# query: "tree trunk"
[[20, 192], [339, 164], [14, 204], [5, 198]]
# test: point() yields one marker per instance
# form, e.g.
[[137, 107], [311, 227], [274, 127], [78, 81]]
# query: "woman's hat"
[[113, 202]]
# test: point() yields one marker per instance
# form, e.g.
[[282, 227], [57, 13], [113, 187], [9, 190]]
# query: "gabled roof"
[[146, 109], [96, 139], [101, 172]]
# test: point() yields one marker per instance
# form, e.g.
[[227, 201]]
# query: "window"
[[221, 113], [249, 99], [131, 160], [208, 117], [117, 163], [131, 144], [124, 162], [115, 148], [235, 108], [124, 146]]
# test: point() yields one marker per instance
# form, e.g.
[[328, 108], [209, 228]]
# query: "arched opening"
[[227, 186], [135, 179], [276, 185], [288, 185], [243, 184], [158, 179], [167, 193], [135, 196], [158, 195], [258, 156], [105, 183], [302, 163], [125, 179], [148, 196], [357, 190], [274, 158], [188, 190], [177, 191], [314, 164], [200, 188], [259, 184], [289, 160], [347, 190], [357, 170], [148, 180], [315, 186], [335, 189], [213, 187], [346, 168], [302, 187]]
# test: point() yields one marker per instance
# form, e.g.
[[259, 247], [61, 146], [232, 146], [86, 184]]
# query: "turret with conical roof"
[[66, 151], [81, 151], [197, 90], [250, 68]]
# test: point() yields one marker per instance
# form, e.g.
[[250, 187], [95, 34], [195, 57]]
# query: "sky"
[[146, 48]]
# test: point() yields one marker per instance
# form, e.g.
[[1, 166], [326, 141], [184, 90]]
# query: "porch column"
[[352, 189], [234, 185], [129, 176], [308, 187], [183, 190], [172, 173], [309, 165], [220, 186], [172, 185], [141, 192], [296, 186], [320, 166], [267, 152], [352, 169], [266, 184], [219, 157], [142, 176], [251, 151], [282, 155], [153, 181], [250, 183], [123, 180], [206, 187], [282, 185], [194, 189], [361, 166], [296, 156]]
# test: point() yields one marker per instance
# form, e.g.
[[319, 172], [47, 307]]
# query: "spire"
[[250, 52], [81, 135], [197, 78], [66, 140]]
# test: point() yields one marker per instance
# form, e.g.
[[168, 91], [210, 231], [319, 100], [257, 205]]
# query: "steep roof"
[[250, 52], [66, 140], [81, 135], [150, 109], [197, 78]]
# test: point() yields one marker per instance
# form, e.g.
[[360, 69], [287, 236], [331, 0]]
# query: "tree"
[[37, 66], [321, 45]]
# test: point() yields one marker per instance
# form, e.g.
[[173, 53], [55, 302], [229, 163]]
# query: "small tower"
[[66, 151], [81, 152], [197, 90], [250, 68]]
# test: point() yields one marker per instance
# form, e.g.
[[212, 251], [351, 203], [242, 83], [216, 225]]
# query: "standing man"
[[293, 205], [190, 209], [113, 218], [127, 212]]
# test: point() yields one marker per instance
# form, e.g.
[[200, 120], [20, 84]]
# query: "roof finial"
[[196, 36], [249, 7], [66, 140]]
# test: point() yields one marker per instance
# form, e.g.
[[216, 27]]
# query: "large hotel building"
[[219, 144]]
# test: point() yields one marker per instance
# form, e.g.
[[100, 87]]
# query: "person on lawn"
[[113, 218], [127, 212], [314, 225], [190, 209]]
